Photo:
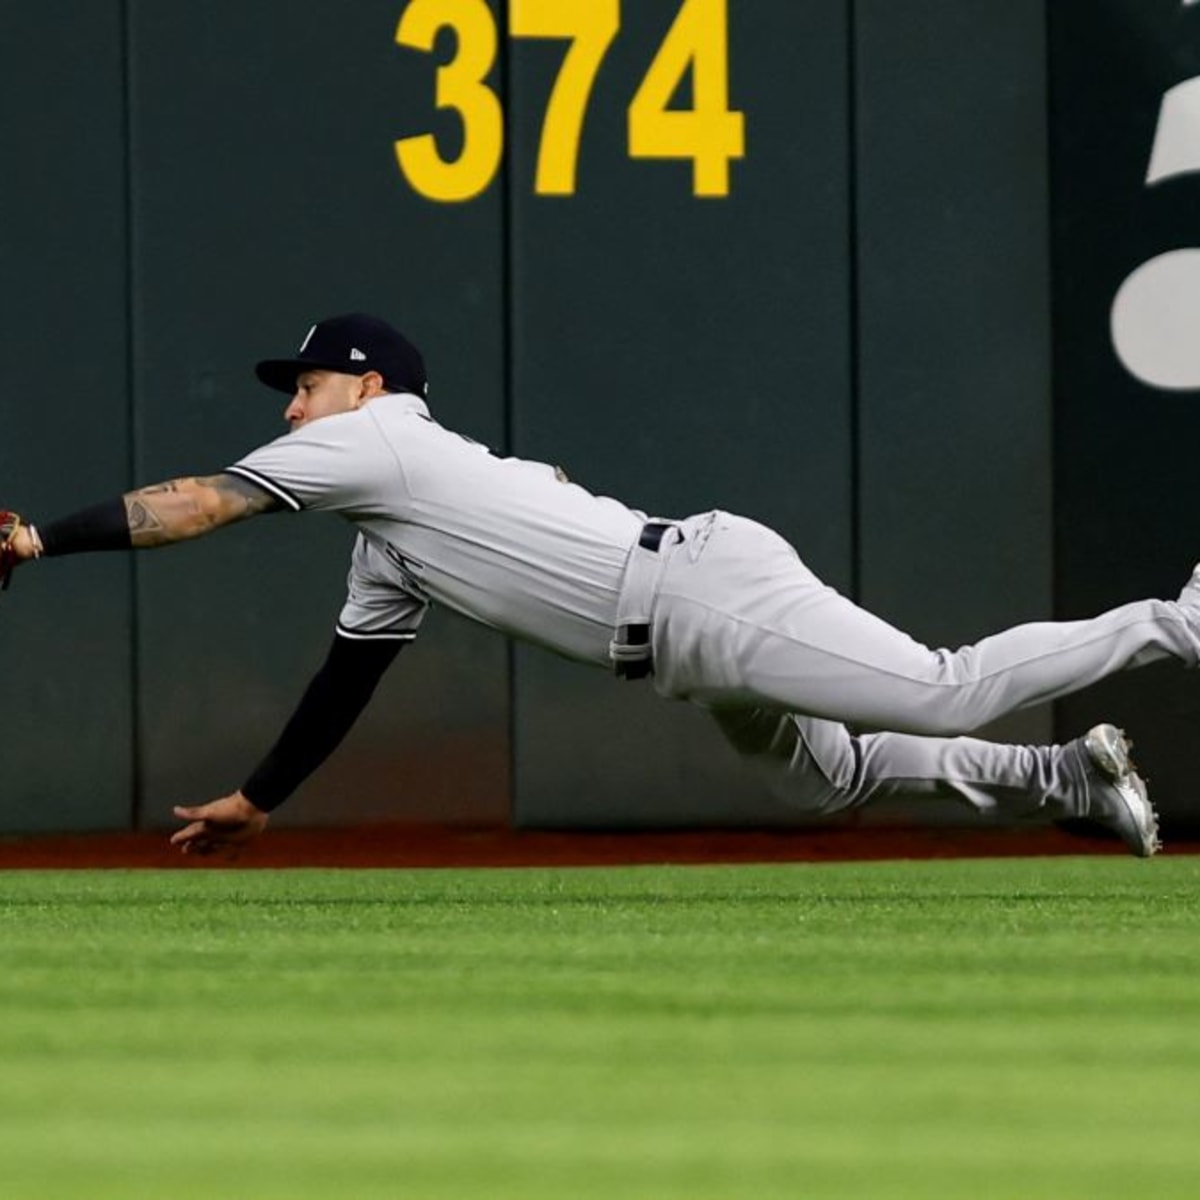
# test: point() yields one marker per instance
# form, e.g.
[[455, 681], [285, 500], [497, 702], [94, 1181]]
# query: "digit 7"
[[590, 26]]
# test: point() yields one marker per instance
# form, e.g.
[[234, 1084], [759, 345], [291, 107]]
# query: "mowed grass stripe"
[[1016, 1028]]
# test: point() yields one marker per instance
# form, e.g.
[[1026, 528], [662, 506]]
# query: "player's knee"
[[811, 766]]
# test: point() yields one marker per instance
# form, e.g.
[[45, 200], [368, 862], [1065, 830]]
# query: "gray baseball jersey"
[[737, 623], [504, 541]]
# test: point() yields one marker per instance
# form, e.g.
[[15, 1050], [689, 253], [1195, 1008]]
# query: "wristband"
[[102, 527]]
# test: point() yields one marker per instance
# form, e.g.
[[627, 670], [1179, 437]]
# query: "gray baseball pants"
[[741, 627]]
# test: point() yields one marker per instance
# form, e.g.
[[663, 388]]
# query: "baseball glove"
[[9, 524]]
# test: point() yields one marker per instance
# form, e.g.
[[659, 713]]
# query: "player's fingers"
[[189, 833], [192, 812]]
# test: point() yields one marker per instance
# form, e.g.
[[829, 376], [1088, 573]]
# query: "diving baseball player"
[[713, 608]]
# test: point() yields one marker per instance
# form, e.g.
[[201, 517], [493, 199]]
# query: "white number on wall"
[[1156, 313]]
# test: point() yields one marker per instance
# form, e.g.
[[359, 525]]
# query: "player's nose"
[[294, 411]]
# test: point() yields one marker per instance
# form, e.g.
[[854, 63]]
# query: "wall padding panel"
[[66, 685], [682, 353], [268, 195]]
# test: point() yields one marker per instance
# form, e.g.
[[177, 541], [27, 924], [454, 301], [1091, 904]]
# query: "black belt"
[[650, 539], [653, 533]]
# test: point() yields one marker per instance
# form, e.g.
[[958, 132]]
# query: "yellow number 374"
[[708, 133]]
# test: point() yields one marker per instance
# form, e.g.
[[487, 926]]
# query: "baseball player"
[[713, 608]]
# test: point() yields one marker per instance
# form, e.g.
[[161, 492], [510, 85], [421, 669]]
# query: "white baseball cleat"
[[1117, 794]]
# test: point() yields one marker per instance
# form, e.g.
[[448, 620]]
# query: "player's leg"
[[820, 767], [740, 619]]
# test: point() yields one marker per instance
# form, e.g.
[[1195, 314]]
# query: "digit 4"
[[709, 133]]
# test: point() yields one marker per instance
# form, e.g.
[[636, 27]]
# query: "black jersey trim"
[[268, 485], [383, 635]]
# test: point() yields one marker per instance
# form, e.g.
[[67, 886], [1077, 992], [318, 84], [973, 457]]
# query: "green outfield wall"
[[788, 259]]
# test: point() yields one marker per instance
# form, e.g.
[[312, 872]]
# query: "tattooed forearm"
[[188, 508]]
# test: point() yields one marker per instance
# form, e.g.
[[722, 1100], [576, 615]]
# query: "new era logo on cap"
[[351, 345]]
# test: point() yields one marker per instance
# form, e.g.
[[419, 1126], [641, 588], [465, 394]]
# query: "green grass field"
[[1017, 1028]]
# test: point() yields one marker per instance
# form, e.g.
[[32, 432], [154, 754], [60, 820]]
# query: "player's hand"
[[228, 822]]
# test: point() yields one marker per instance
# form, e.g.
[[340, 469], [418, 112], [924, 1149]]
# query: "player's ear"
[[370, 384]]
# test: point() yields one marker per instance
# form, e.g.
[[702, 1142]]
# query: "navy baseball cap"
[[351, 345]]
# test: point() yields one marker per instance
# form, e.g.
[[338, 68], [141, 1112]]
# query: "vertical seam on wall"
[[1052, 307], [855, 331], [508, 353], [136, 797]]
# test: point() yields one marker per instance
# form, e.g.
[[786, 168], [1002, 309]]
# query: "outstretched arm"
[[336, 696], [149, 517]]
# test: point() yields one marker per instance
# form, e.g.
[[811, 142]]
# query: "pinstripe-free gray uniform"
[[736, 622]]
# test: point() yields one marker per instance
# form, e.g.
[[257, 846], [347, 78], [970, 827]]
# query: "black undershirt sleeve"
[[336, 696], [101, 527]]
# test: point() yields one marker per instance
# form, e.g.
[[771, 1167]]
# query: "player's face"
[[322, 394]]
